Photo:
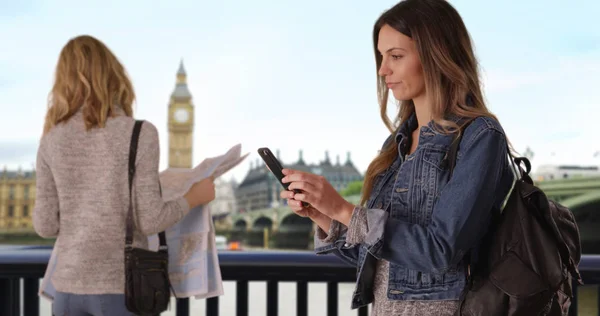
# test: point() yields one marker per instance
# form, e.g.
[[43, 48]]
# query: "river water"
[[257, 300]]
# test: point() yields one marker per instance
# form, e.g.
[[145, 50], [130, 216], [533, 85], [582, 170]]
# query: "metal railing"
[[28, 263]]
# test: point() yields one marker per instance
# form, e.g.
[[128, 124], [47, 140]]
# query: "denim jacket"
[[421, 220]]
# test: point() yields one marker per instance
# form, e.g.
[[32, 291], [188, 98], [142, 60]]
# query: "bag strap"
[[563, 250], [131, 172], [449, 160]]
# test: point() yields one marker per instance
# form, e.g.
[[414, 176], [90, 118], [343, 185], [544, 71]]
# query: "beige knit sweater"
[[82, 198]]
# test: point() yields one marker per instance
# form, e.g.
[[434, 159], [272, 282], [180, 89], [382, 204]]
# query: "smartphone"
[[275, 167]]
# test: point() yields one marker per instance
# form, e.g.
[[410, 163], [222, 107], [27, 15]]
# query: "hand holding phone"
[[276, 168]]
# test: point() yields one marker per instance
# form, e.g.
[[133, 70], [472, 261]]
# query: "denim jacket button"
[[379, 205]]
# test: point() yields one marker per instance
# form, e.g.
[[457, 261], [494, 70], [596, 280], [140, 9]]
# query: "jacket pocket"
[[432, 179]]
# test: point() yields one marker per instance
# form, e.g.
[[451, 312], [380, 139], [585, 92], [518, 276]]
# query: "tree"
[[353, 188]]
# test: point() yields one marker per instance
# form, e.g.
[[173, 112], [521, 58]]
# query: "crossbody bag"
[[147, 284]]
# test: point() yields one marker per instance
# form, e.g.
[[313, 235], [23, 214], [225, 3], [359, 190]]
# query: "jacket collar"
[[405, 129]]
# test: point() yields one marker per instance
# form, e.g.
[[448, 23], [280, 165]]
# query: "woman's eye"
[[396, 56]]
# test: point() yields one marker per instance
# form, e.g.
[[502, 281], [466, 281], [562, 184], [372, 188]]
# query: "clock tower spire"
[[181, 123]]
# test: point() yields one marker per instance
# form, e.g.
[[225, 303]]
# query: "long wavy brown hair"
[[88, 77], [450, 70]]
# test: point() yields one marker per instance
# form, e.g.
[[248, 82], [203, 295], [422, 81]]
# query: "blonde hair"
[[88, 77], [450, 69]]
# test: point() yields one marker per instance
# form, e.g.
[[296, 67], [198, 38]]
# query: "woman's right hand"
[[201, 192], [312, 213], [296, 206]]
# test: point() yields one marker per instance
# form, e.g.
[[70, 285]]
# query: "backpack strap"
[[563, 251], [131, 172], [449, 161]]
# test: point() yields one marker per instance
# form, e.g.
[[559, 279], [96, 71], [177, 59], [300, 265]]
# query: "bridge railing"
[[28, 264]]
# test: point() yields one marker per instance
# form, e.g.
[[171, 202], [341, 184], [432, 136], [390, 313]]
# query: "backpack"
[[528, 259]]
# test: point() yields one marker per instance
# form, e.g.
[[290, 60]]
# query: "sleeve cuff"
[[358, 226], [183, 206], [376, 222], [333, 233]]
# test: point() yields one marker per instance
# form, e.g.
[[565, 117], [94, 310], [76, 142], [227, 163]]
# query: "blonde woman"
[[82, 181]]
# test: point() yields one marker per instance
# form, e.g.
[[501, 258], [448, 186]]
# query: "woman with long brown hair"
[[82, 190], [417, 222]]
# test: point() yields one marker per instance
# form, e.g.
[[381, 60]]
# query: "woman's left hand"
[[319, 193]]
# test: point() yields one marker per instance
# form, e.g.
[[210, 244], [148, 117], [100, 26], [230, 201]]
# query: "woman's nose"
[[384, 70]]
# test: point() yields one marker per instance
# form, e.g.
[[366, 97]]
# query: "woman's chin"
[[399, 96]]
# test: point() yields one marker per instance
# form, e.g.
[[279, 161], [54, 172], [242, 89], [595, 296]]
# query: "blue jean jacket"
[[421, 220]]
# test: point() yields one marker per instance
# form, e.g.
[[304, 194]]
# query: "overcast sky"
[[296, 75]]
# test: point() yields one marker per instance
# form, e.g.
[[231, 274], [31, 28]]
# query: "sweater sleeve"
[[45, 214], [153, 213]]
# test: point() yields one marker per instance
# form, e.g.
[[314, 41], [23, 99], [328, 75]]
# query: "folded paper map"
[[193, 261]]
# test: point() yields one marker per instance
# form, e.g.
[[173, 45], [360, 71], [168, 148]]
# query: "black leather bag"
[[147, 285]]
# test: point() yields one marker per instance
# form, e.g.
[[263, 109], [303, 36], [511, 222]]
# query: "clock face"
[[181, 115]]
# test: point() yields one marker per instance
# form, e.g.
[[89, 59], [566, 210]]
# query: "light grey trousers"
[[89, 305]]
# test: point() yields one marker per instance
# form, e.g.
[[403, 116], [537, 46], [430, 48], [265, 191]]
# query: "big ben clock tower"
[[181, 123]]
